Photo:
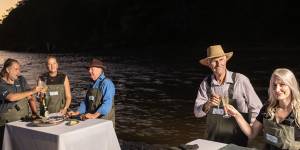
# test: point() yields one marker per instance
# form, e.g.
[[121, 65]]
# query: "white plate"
[[55, 115]]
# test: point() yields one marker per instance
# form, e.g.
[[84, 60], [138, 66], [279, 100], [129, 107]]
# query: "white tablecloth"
[[207, 145], [92, 134]]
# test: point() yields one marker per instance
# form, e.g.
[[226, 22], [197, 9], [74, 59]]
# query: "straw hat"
[[215, 51], [96, 63]]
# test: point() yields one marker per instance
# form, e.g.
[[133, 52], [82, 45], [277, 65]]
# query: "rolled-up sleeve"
[[201, 99], [3, 92], [253, 101]]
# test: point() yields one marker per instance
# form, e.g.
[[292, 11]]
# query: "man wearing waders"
[[99, 100], [15, 95], [220, 84]]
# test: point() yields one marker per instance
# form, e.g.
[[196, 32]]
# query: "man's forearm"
[[206, 107], [18, 96], [32, 105]]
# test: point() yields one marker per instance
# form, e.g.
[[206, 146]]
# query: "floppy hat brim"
[[204, 61], [98, 66]]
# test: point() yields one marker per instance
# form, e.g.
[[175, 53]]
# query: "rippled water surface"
[[155, 95]]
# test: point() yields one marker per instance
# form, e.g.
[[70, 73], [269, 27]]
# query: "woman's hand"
[[231, 110], [63, 111]]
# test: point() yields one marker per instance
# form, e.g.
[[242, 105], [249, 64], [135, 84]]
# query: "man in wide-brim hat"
[[96, 63], [214, 52], [99, 100], [224, 84]]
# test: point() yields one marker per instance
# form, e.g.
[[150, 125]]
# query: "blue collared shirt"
[[108, 92]]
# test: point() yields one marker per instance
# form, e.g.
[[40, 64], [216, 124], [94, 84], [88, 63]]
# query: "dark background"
[[182, 27]]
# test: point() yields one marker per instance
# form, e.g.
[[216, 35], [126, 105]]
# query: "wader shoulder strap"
[[44, 76], [208, 86], [99, 86], [231, 86], [21, 83], [230, 89], [290, 120]]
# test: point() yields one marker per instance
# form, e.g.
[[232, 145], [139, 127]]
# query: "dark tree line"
[[119, 24]]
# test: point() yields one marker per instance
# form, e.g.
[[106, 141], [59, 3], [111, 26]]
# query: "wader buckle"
[[17, 107]]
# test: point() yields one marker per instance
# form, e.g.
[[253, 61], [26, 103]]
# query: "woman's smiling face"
[[281, 91]]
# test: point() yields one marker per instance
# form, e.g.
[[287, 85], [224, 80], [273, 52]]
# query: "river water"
[[154, 94]]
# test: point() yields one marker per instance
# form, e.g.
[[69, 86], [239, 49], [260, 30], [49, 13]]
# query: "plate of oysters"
[[50, 120]]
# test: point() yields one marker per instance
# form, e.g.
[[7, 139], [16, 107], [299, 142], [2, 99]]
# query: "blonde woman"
[[280, 117]]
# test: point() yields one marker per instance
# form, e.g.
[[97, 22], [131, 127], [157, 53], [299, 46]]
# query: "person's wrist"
[[237, 115], [33, 91], [97, 114], [77, 113], [206, 107]]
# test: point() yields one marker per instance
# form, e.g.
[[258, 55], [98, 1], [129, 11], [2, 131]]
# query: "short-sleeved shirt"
[[289, 120], [20, 85]]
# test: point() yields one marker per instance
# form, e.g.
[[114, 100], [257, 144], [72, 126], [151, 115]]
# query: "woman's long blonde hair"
[[289, 79]]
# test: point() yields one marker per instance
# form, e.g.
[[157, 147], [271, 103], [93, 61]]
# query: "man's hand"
[[72, 113], [213, 101], [90, 116]]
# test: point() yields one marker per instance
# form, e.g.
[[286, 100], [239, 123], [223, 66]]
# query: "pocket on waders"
[[272, 136]]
